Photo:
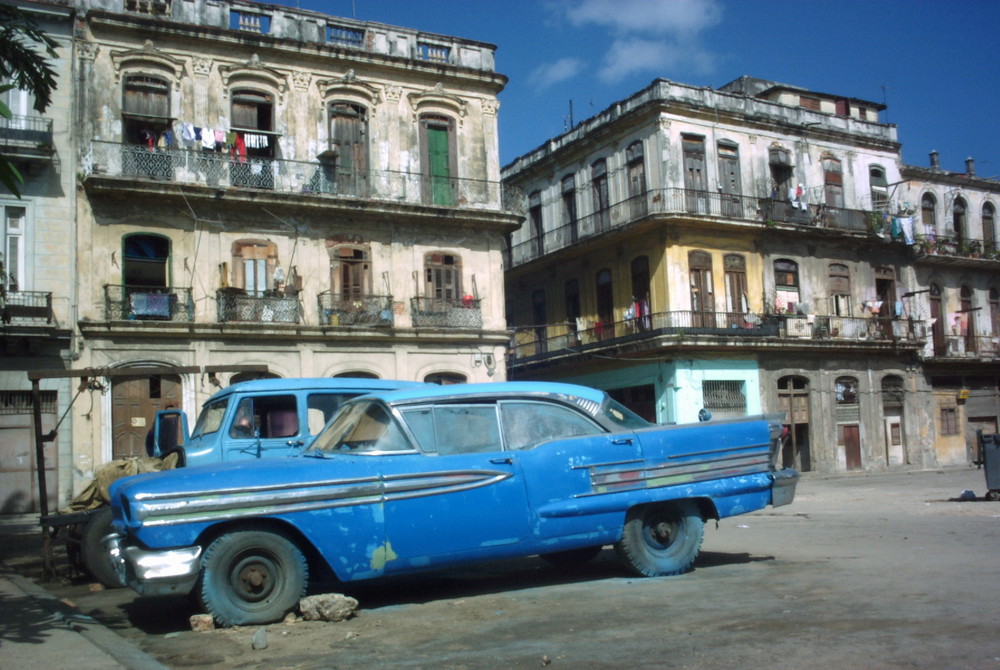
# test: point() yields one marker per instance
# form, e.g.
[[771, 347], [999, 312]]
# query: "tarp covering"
[[96, 494]]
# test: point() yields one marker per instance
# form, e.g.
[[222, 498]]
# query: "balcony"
[[705, 327], [147, 303], [236, 305], [462, 312], [684, 323], [967, 347], [688, 203], [26, 308], [26, 138], [320, 179], [367, 311], [948, 249]]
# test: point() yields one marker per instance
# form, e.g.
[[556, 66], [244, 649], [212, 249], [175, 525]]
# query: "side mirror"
[[704, 415]]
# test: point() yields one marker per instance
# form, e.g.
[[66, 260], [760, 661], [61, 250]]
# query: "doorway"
[[134, 404]]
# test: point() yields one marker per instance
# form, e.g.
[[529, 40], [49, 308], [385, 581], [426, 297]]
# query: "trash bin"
[[989, 458]]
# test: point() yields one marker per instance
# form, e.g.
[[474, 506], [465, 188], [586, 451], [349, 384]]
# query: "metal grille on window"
[[19, 402], [724, 398]]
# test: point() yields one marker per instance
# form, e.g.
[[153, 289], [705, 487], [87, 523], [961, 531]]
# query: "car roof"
[[431, 392], [359, 384]]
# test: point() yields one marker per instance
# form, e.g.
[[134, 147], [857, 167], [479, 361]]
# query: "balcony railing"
[[964, 247], [26, 131], [968, 346], [235, 305], [371, 311], [26, 308], [692, 203], [446, 312], [147, 303], [729, 325], [719, 324], [319, 178]]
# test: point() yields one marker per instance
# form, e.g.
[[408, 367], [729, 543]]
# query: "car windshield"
[[622, 416], [361, 427], [210, 418]]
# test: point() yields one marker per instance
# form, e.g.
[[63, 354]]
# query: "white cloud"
[[548, 74], [679, 18], [633, 55]]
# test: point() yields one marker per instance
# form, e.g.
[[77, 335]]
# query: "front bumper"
[[783, 485], [160, 572]]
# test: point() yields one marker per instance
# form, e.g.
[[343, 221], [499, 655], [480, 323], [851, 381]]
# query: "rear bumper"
[[158, 572], [783, 485]]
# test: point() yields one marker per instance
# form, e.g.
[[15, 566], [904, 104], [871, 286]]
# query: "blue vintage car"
[[432, 477]]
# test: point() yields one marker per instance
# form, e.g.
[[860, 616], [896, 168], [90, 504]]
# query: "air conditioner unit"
[[798, 328], [956, 346]]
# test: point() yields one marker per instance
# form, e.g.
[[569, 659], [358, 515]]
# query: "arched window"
[[958, 220], [928, 213], [833, 182], [569, 207], [786, 285], [702, 287], [636, 179], [605, 300], [445, 378], [989, 230], [253, 122], [599, 189], [737, 303], [879, 188], [839, 288]]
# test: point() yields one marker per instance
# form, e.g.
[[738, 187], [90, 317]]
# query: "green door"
[[440, 171]]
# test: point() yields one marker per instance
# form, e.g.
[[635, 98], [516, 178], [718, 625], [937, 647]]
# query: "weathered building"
[[260, 185], [37, 271], [739, 249]]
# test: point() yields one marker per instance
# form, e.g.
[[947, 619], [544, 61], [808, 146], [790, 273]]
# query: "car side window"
[[527, 424], [321, 406], [455, 429], [266, 416]]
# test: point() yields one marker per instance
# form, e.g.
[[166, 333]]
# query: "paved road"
[[862, 571]]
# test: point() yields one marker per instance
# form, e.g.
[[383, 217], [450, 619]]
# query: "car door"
[[460, 496], [570, 465]]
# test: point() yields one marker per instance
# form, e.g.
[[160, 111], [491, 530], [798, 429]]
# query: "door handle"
[[295, 443], [622, 440], [505, 460]]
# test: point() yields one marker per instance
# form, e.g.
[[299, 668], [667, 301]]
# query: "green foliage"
[[22, 66]]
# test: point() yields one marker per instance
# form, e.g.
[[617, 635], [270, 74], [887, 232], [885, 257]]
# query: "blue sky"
[[934, 63]]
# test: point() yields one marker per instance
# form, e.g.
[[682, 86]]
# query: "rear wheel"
[[660, 540], [252, 577]]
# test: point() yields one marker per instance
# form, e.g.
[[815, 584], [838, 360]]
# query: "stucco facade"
[[743, 250]]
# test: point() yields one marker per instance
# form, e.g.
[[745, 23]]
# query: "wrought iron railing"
[[365, 311], [221, 170], [950, 245], [743, 208], [968, 346], [446, 312], [235, 305], [535, 340], [689, 323], [26, 307], [147, 303], [33, 131]]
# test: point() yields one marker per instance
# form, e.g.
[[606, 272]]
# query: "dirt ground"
[[863, 571]]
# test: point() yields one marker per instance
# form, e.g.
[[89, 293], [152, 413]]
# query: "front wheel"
[[660, 540], [252, 577]]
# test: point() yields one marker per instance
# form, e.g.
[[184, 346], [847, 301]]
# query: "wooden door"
[[134, 404], [852, 446]]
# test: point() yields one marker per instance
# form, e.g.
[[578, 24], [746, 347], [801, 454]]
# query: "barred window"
[[724, 398], [19, 402]]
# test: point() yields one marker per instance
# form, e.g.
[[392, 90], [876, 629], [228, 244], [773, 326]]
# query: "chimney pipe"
[[970, 166], [934, 160]]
